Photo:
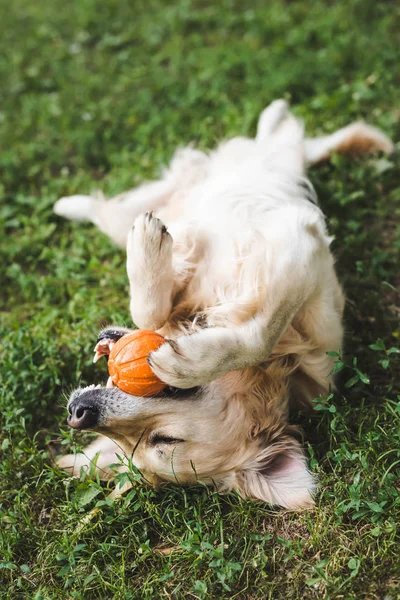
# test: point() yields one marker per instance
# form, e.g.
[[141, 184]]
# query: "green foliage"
[[98, 95]]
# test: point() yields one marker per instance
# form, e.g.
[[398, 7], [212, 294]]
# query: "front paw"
[[150, 241], [173, 364]]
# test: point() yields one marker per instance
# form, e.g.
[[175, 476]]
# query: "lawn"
[[98, 95]]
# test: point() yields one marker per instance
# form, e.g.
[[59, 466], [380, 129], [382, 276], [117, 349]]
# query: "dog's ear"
[[278, 475]]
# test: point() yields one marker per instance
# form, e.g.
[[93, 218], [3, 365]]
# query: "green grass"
[[98, 95]]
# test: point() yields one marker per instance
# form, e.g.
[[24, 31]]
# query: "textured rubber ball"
[[127, 363]]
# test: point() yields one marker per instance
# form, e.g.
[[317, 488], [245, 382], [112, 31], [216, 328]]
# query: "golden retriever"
[[229, 258]]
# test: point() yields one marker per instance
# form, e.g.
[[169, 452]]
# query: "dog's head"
[[229, 433]]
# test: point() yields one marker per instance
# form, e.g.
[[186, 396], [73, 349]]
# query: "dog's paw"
[[149, 238], [174, 364], [73, 463], [76, 208], [271, 117]]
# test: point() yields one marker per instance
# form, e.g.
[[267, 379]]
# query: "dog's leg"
[[293, 273], [270, 119], [278, 130], [149, 267], [280, 137], [357, 138], [99, 455], [115, 217], [200, 358]]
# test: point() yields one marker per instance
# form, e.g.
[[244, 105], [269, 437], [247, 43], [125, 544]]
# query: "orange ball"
[[127, 364]]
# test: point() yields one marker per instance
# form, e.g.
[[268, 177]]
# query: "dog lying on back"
[[229, 258]]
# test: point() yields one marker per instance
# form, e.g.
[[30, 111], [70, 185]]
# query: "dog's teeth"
[[92, 386], [88, 387]]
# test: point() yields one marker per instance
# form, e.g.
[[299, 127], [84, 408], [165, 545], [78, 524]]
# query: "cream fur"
[[229, 257]]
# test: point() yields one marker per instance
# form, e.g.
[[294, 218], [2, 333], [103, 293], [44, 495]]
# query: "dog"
[[229, 258]]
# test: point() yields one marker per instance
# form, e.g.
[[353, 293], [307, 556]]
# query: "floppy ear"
[[279, 476]]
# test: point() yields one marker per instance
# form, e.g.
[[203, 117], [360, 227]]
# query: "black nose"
[[83, 415]]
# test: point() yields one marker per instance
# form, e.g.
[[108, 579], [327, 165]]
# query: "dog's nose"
[[83, 415]]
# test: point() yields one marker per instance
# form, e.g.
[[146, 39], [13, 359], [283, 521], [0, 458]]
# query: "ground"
[[98, 95]]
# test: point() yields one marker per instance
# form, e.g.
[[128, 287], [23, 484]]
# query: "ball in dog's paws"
[[128, 367]]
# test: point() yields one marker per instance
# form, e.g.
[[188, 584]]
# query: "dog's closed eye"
[[159, 438]]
